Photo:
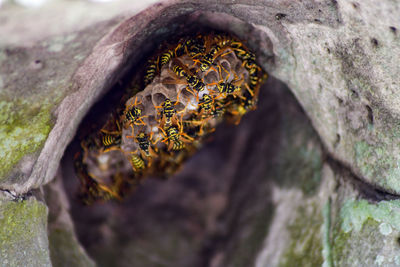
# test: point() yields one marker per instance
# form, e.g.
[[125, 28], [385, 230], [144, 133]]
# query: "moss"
[[339, 244], [24, 128], [65, 249], [23, 234], [305, 244]]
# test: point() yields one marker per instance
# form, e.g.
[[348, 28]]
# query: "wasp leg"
[[249, 90], [226, 53], [111, 148], [184, 109], [133, 132], [177, 97], [228, 74], [195, 63], [211, 68], [140, 119], [110, 132], [186, 137]]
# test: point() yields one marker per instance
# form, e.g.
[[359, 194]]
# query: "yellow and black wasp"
[[254, 72], [241, 51], [152, 70], [206, 105], [220, 44], [168, 112], [226, 88], [219, 108], [176, 138], [192, 80], [137, 162], [111, 139], [155, 65], [204, 113], [195, 47], [146, 145], [133, 115], [168, 55]]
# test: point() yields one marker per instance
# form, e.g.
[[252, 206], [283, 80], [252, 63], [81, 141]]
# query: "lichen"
[[367, 242], [23, 234], [24, 128], [374, 162], [305, 245], [355, 212], [367, 227]]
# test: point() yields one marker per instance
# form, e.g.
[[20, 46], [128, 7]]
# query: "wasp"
[[248, 100], [206, 104], [154, 66], [111, 140], [151, 71], [195, 46], [219, 108], [137, 162], [241, 51], [254, 72], [192, 80], [204, 113], [168, 112], [176, 137], [166, 57], [226, 88], [145, 144], [221, 42], [133, 115]]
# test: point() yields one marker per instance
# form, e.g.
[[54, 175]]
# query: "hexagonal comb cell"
[[185, 92]]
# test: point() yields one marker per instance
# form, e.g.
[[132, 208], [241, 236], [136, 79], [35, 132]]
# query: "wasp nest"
[[188, 88]]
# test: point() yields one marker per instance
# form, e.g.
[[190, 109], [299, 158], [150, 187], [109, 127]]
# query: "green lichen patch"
[[357, 248], [355, 213], [373, 161], [365, 234], [65, 249], [305, 245], [23, 234], [24, 127]]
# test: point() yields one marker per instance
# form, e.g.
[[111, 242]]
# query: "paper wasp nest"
[[187, 89], [166, 87]]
